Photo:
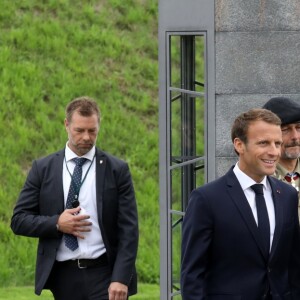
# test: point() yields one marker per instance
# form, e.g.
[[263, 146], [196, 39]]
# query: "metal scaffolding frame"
[[184, 103]]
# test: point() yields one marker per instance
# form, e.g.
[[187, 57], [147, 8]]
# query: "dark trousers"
[[269, 296], [69, 282]]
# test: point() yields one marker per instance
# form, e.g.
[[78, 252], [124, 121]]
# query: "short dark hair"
[[84, 105], [241, 123]]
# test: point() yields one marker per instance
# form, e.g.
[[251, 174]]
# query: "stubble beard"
[[79, 150], [290, 155]]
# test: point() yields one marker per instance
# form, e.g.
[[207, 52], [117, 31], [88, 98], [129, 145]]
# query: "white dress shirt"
[[246, 182], [92, 245]]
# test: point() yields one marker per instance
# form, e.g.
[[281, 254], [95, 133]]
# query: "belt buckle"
[[79, 265]]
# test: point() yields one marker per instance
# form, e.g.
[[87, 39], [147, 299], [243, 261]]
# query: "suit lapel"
[[237, 194], [100, 176], [278, 206], [58, 184]]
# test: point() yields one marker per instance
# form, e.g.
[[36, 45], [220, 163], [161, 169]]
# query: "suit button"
[[269, 270]]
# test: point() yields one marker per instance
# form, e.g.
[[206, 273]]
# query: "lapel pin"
[[101, 161], [278, 191]]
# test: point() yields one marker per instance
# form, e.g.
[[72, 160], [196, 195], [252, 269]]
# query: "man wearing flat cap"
[[288, 168]]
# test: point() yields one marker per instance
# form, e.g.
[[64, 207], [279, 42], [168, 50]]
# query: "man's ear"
[[66, 124], [239, 145]]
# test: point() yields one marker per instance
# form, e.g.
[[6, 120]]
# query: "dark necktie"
[[71, 240], [262, 216]]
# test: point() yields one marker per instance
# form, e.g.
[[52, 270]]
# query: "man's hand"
[[72, 223], [117, 291]]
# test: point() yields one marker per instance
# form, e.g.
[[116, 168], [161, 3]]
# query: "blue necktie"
[[71, 240], [262, 216]]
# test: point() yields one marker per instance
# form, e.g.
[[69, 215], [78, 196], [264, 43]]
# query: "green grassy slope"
[[52, 51]]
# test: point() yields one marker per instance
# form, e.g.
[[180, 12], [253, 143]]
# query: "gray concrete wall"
[[257, 50]]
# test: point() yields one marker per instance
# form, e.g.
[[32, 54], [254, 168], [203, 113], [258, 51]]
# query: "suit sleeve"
[[294, 266], [196, 240], [26, 219], [124, 265]]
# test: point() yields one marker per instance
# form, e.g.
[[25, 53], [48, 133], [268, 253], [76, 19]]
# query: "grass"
[[51, 52], [146, 291]]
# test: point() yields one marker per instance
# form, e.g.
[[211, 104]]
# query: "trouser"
[[80, 279]]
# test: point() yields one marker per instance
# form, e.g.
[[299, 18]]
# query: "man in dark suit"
[[240, 243], [80, 203]]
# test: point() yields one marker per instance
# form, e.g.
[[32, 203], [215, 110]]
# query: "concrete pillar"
[[257, 56]]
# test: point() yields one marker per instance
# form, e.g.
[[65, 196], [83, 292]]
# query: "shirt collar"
[[69, 154], [246, 181], [283, 171]]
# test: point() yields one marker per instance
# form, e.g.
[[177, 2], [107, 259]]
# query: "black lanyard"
[[77, 189]]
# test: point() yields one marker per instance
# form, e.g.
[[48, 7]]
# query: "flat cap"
[[286, 109]]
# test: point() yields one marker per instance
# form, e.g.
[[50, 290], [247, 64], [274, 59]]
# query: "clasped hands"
[[71, 222]]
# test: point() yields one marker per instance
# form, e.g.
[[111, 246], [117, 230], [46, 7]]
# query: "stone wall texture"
[[257, 52]]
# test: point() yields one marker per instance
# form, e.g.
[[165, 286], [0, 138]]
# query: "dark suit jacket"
[[222, 254], [41, 201]]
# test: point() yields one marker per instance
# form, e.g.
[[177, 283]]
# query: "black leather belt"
[[85, 263]]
